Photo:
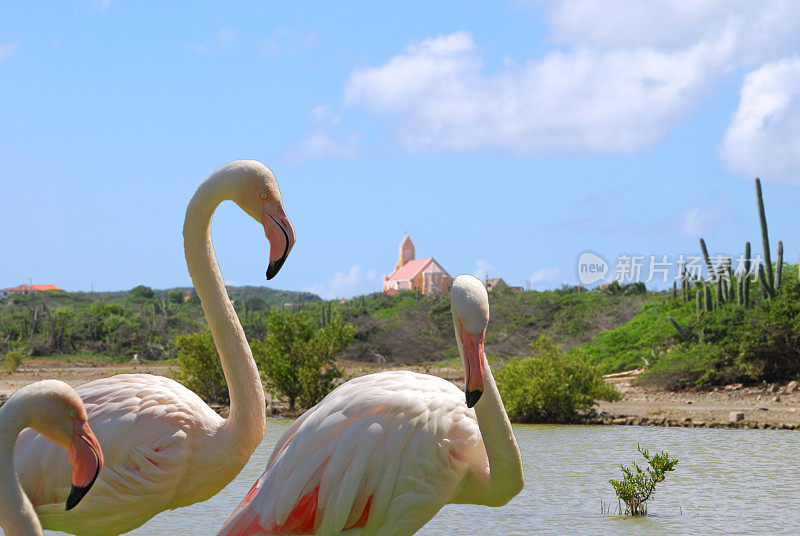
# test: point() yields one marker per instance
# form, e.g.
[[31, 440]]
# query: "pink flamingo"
[[165, 448], [55, 410], [381, 454]]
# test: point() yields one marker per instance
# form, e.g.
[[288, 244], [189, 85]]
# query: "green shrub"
[[11, 361], [200, 367], [141, 291], [691, 365], [297, 358], [637, 486], [551, 385], [175, 296]]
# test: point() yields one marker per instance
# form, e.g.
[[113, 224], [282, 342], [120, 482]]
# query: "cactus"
[[674, 290], [732, 294], [740, 296], [746, 284], [707, 295], [719, 285], [762, 280], [699, 302], [703, 247], [769, 280], [779, 267], [679, 330]]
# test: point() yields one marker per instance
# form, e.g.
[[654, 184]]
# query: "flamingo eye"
[[73, 413], [263, 196]]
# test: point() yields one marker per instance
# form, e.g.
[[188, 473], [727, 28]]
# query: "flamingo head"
[[470, 308], [61, 418], [259, 196]]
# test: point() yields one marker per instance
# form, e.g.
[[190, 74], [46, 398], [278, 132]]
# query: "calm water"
[[727, 482]]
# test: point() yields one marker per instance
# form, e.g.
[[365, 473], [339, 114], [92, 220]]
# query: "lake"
[[727, 482]]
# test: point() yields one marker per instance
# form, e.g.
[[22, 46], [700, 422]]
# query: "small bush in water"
[[637, 486]]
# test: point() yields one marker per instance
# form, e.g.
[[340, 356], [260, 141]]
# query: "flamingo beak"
[[474, 365], [280, 234], [86, 457]]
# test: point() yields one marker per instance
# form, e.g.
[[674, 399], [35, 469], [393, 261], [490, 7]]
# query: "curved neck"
[[505, 464], [247, 420], [16, 511]]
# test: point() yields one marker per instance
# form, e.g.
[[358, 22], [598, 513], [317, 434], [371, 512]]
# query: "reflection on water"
[[727, 482]]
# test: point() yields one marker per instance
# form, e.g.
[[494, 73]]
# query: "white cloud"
[[760, 30], [223, 42], [101, 5], [695, 221], [286, 41], [341, 285], [763, 139], [327, 139], [7, 49], [484, 269], [576, 101], [544, 275], [628, 72]]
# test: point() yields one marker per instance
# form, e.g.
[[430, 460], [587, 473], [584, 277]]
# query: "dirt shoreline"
[[762, 407]]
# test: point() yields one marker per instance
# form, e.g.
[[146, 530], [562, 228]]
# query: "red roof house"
[[28, 289], [422, 275]]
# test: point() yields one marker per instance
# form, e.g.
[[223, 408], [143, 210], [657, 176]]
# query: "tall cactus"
[[707, 296], [746, 284], [779, 267], [765, 239], [729, 279], [699, 302], [703, 247], [719, 286]]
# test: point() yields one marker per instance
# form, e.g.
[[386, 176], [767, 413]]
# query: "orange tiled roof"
[[31, 288]]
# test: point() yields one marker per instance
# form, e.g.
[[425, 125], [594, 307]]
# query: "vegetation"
[[298, 356], [140, 322], [11, 361], [735, 326], [570, 315], [738, 324], [551, 385], [200, 367], [638, 486]]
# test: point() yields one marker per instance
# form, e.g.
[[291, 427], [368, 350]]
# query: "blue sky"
[[504, 137]]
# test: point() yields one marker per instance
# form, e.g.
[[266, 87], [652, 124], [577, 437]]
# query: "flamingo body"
[[156, 435], [54, 409], [381, 454], [385, 450], [164, 446]]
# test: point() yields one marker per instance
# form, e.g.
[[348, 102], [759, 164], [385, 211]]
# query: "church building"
[[422, 275]]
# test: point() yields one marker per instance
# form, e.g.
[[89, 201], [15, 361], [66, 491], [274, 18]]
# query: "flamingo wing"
[[374, 450], [142, 423]]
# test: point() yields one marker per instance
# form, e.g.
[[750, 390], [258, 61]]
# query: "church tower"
[[406, 252]]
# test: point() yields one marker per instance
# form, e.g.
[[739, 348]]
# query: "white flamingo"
[[381, 454], [55, 410], [165, 447]]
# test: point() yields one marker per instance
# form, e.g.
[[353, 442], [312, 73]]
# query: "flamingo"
[[381, 454], [55, 410], [165, 448]]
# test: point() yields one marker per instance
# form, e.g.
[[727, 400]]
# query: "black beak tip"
[[473, 397], [76, 493], [274, 267]]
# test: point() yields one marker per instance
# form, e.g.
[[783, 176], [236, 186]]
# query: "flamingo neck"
[[244, 429], [505, 464], [17, 515]]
